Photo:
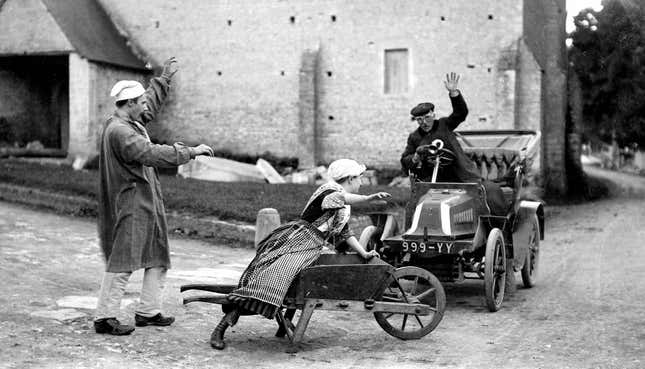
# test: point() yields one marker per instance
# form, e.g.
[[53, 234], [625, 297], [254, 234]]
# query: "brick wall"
[[239, 79]]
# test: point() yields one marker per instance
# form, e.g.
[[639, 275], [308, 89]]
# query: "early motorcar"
[[448, 228]]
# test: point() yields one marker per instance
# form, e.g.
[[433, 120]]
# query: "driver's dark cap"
[[422, 109]]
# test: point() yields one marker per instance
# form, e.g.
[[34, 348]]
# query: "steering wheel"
[[446, 157], [436, 152]]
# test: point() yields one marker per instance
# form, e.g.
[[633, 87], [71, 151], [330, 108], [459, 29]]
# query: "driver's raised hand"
[[452, 83]]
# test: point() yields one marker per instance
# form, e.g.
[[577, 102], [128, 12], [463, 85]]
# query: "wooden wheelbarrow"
[[408, 302]]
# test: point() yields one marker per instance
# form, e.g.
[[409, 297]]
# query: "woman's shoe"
[[217, 337]]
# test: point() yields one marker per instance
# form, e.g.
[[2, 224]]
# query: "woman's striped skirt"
[[280, 257]]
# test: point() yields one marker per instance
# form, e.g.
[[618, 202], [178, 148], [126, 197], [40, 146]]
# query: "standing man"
[[132, 220], [430, 130]]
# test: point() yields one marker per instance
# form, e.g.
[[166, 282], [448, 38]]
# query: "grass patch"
[[226, 200]]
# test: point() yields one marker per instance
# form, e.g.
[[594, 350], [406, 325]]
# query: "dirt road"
[[585, 312]]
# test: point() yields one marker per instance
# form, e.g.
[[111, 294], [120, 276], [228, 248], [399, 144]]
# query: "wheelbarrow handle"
[[212, 299], [217, 288]]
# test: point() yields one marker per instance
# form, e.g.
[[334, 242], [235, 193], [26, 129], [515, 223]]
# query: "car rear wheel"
[[412, 285], [530, 268], [495, 270]]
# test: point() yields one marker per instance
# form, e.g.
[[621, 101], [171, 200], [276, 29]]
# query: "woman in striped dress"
[[295, 245]]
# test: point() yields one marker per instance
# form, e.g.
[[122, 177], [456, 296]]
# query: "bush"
[[386, 175], [279, 163]]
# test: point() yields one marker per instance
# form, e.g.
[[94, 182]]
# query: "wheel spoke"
[[403, 294], [389, 315], [390, 298], [419, 321], [405, 320], [425, 293]]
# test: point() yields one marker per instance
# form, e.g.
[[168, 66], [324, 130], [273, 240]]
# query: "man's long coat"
[[131, 220]]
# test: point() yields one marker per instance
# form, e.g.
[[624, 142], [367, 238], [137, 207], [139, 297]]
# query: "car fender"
[[525, 210], [521, 229]]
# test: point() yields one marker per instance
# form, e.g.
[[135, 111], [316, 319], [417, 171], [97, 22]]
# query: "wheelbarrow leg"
[[284, 322], [299, 333]]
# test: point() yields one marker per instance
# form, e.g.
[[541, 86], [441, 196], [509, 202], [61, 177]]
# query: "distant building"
[[328, 79]]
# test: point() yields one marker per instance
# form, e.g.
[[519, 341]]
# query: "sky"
[[575, 6]]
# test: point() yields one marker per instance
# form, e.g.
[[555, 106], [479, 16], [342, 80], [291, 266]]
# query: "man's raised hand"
[[451, 82], [169, 67]]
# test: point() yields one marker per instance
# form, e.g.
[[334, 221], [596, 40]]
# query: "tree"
[[608, 56]]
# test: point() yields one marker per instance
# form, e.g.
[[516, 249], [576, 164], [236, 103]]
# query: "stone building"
[[327, 79], [58, 61]]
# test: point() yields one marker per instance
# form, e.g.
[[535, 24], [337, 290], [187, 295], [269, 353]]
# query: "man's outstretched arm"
[[158, 90]]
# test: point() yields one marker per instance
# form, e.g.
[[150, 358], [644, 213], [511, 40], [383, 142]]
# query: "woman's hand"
[[379, 196], [371, 254]]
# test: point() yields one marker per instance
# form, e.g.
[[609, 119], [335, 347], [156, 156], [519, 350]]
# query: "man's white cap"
[[342, 168], [124, 90]]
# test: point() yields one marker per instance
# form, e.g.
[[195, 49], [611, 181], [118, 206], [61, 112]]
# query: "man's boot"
[[160, 320], [112, 326]]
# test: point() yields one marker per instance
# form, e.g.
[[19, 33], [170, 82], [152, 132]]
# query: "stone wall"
[[546, 41], [239, 82], [90, 102], [247, 82]]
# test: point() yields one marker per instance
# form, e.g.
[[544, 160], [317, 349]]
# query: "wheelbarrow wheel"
[[530, 268], [495, 270], [413, 285]]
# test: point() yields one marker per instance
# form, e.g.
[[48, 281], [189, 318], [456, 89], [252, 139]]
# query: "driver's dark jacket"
[[463, 170]]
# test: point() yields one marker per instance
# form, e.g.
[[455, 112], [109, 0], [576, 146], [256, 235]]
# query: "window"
[[396, 71]]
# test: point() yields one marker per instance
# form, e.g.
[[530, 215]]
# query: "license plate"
[[423, 247]]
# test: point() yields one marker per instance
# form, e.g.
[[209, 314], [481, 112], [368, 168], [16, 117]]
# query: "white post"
[[268, 219]]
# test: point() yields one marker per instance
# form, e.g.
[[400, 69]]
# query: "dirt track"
[[585, 312]]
